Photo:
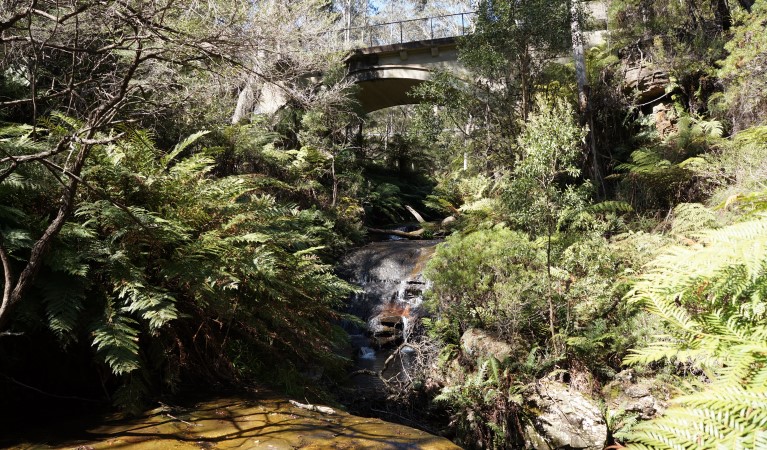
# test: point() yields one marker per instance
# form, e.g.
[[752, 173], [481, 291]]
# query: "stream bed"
[[264, 422], [390, 305]]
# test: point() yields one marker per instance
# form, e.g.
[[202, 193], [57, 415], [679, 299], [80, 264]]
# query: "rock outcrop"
[[632, 394], [478, 344], [390, 275], [567, 419], [645, 82]]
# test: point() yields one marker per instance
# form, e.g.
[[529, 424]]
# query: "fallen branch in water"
[[183, 421], [405, 234], [319, 409]]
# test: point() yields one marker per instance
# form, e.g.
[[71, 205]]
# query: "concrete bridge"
[[389, 59], [385, 74], [395, 57]]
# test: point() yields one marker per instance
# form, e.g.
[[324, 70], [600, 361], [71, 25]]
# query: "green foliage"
[[550, 145], [160, 255], [743, 70], [682, 38], [116, 339], [662, 173], [488, 405], [737, 172], [692, 217], [489, 279], [514, 41], [712, 296]]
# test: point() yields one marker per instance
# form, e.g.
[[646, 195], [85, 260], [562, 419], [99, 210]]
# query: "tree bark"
[[746, 4], [723, 16], [584, 101]]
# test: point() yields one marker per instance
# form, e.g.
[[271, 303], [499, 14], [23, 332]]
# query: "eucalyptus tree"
[[539, 196], [512, 44]]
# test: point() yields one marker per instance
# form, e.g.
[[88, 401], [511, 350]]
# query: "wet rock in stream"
[[390, 275]]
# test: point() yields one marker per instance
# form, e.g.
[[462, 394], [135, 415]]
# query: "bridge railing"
[[400, 32]]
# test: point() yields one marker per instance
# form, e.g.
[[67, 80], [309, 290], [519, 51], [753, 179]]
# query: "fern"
[[692, 217], [63, 298], [181, 146], [712, 298], [151, 304], [116, 340]]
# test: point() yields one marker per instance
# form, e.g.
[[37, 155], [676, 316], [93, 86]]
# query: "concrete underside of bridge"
[[387, 74], [384, 93]]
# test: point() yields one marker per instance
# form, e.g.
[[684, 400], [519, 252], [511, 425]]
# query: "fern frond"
[[712, 297], [181, 146], [116, 340], [63, 298], [692, 217], [610, 206], [153, 305]]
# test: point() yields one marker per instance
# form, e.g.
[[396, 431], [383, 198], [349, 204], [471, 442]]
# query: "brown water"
[[269, 422]]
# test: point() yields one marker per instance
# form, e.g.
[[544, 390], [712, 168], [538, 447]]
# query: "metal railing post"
[[401, 39], [463, 27], [431, 24]]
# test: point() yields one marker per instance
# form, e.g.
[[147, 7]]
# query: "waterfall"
[[390, 274]]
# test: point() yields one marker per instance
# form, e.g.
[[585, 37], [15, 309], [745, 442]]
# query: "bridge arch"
[[386, 74], [386, 87]]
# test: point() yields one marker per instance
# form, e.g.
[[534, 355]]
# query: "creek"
[[389, 306]]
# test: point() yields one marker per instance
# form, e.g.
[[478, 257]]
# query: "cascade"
[[390, 275]]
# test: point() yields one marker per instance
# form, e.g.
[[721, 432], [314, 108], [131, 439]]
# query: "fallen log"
[[310, 407], [417, 234], [415, 214]]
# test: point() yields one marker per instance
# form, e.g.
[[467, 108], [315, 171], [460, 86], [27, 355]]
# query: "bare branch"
[[15, 18], [60, 147]]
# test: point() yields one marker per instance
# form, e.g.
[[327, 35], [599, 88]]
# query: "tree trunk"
[[12, 297], [723, 16], [245, 101], [584, 101]]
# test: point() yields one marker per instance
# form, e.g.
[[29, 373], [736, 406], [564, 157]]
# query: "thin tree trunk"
[[746, 4], [550, 294], [723, 16], [11, 297]]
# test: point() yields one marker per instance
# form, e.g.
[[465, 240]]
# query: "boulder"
[[477, 344], [641, 396], [566, 420], [664, 124], [448, 221]]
